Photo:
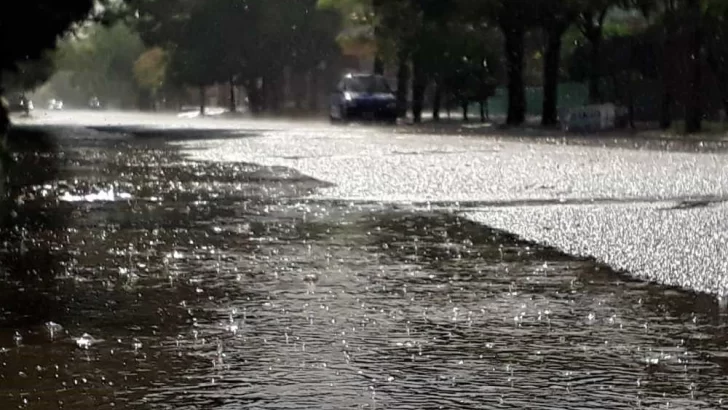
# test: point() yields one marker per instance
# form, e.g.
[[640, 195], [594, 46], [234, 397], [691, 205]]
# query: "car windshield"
[[367, 84]]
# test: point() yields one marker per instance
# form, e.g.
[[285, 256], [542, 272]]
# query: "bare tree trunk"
[[630, 101], [298, 89], [552, 63], [378, 60], [267, 94], [403, 77], [595, 95], [694, 111], [378, 65], [666, 100], [273, 91], [419, 85], [233, 105], [666, 110], [202, 99], [437, 102], [515, 44], [720, 77], [255, 97], [313, 93]]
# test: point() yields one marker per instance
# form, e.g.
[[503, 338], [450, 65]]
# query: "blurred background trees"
[[665, 60]]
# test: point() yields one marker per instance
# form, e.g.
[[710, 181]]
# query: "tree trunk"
[[403, 77], [144, 100], [298, 88], [464, 105], [665, 77], [202, 100], [552, 63], [694, 112], [595, 95], [630, 101], [514, 44], [378, 60], [378, 65], [254, 96], [313, 100], [233, 106], [266, 94], [720, 77], [279, 87], [419, 85], [616, 87], [437, 102], [665, 110], [666, 73], [273, 91]]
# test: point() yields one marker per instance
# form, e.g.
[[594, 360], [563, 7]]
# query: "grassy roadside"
[[644, 136]]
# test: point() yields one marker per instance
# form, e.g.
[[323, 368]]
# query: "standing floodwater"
[[135, 278]]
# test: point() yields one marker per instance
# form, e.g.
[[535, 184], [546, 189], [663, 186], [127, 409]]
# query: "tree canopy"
[[29, 28]]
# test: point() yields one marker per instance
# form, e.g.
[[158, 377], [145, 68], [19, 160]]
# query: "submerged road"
[[212, 263], [657, 212]]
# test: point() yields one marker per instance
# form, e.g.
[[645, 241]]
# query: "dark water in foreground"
[[209, 286]]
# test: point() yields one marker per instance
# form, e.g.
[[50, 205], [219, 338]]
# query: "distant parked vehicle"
[[365, 97], [94, 103], [594, 118], [21, 104], [54, 104]]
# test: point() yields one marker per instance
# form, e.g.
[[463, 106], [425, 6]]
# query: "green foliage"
[[99, 61], [358, 25], [28, 28], [150, 69], [235, 40]]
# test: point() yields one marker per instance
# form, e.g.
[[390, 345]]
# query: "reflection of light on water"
[[85, 341], [102, 196], [723, 304], [209, 111]]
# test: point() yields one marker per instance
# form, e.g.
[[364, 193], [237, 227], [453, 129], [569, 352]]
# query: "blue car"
[[363, 97]]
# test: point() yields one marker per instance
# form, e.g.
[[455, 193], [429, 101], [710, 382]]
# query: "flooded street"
[[136, 277]]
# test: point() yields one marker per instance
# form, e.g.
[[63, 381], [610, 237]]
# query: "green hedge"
[[570, 95]]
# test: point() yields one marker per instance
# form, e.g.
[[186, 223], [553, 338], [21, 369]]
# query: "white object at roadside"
[[591, 118]]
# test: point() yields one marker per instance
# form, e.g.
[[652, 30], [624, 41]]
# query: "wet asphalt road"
[[658, 212], [268, 265]]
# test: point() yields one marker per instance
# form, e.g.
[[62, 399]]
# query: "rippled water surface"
[[134, 278]]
